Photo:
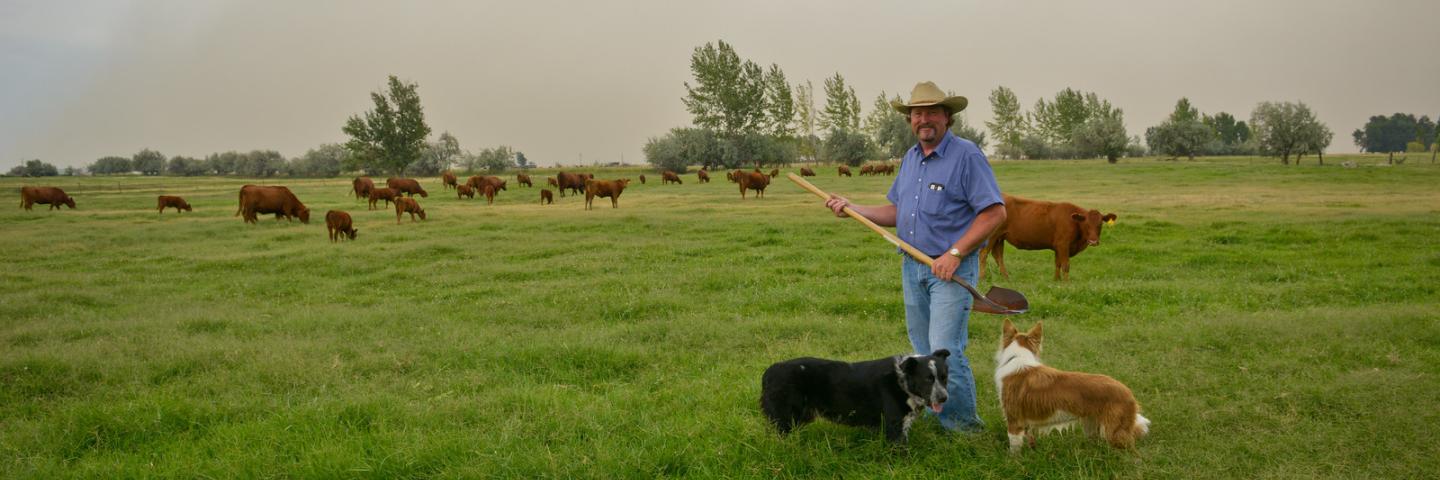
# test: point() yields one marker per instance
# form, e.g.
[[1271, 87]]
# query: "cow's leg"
[[998, 251], [1062, 261]]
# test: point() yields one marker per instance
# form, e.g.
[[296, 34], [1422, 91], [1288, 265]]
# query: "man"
[[944, 202]]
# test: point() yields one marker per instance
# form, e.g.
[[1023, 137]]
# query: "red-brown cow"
[[257, 199], [867, 169], [489, 193], [733, 176], [605, 188], [1036, 225], [703, 175], [462, 191], [575, 182], [386, 194], [404, 205], [806, 172], [753, 181], [523, 179], [669, 177], [844, 171], [546, 196], [642, 179], [338, 224], [362, 187], [167, 201], [551, 181], [52, 196], [447, 180], [408, 186], [774, 173], [479, 182], [886, 169]]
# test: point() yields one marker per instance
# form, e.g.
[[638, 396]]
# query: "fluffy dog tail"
[[1142, 426]]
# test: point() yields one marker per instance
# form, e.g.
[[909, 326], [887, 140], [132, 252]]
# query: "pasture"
[[1273, 321]]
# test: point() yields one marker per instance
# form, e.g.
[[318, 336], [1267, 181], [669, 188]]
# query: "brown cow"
[[362, 187], [408, 186], [489, 191], [703, 175], [338, 224], [404, 205], [166, 201], [806, 172], [462, 191], [1036, 225], [575, 182], [733, 176], [844, 171], [886, 169], [52, 196], [386, 194], [774, 173], [257, 199], [669, 177], [605, 188], [642, 179], [753, 181], [551, 182], [479, 182], [523, 179], [867, 169], [546, 196], [447, 180]]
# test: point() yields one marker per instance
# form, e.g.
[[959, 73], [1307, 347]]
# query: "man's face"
[[928, 123]]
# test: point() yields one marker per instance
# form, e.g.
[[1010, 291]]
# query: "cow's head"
[[69, 202], [353, 232], [502, 185], [304, 215], [422, 213], [424, 194], [186, 205], [1089, 225]]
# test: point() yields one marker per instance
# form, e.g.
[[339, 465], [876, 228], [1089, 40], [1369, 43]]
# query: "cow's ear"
[[1079, 217], [1109, 217]]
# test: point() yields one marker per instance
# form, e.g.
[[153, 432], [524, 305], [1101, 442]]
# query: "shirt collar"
[[945, 142]]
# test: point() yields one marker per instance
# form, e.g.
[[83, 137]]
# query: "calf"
[[408, 186], [167, 201], [605, 188], [1036, 225], [404, 205], [339, 225], [546, 196], [386, 194], [753, 181], [463, 191], [551, 182], [523, 179], [703, 175], [642, 179], [806, 172], [670, 177], [489, 194], [844, 171], [447, 180], [52, 196], [774, 173], [362, 187]]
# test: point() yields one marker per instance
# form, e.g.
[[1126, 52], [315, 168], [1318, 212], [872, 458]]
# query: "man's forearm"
[[883, 215], [984, 223]]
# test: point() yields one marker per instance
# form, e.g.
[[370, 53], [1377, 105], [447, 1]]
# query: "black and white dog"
[[887, 393]]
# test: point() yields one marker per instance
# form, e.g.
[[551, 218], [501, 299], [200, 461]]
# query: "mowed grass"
[[1273, 322]]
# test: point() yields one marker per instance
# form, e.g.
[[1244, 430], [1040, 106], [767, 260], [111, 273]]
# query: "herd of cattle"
[[1062, 227]]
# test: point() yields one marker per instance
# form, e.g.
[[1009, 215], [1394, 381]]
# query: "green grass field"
[[1273, 321]]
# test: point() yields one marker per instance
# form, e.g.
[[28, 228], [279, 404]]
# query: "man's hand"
[[837, 204], [944, 266]]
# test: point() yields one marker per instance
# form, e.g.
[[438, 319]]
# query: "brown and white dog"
[[1037, 399]]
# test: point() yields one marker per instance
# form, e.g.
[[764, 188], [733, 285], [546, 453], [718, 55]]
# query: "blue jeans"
[[937, 315]]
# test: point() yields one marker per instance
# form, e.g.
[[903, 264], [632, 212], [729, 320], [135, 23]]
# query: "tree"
[[259, 163], [1010, 124], [35, 168], [889, 131], [1182, 134], [148, 162], [779, 104], [521, 161], [391, 136], [1389, 134], [185, 166], [110, 165], [1057, 120], [324, 161], [805, 119], [1315, 138], [1425, 131], [848, 147], [1230, 135], [1283, 128], [962, 129], [729, 93], [437, 156], [842, 107], [682, 147], [492, 160], [1104, 135], [1184, 112]]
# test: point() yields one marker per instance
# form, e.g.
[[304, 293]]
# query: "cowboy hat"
[[926, 94]]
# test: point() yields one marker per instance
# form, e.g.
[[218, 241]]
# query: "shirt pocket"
[[934, 202]]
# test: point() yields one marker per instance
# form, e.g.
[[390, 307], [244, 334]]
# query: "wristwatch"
[[955, 252]]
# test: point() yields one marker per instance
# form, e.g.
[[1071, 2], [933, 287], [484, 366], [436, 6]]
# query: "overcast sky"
[[557, 80]]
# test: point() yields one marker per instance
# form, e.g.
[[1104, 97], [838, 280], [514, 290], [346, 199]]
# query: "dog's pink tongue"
[[935, 407]]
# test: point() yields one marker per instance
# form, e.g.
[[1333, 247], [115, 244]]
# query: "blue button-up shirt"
[[937, 196]]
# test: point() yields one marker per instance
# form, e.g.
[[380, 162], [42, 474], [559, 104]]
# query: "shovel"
[[1000, 301]]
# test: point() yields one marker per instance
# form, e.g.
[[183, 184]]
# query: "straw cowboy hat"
[[926, 94]]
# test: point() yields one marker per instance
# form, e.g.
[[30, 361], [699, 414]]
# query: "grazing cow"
[[490, 193], [867, 169], [339, 225], [753, 181], [774, 173], [404, 205], [408, 186], [670, 177], [1036, 225], [844, 171], [52, 196], [167, 201], [523, 179], [463, 191], [642, 179], [575, 182], [479, 182], [806, 172], [386, 194], [703, 175], [886, 169], [362, 187], [257, 199], [605, 188], [551, 182], [733, 176], [447, 180], [546, 196]]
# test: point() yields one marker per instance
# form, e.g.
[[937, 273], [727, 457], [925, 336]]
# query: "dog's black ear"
[[909, 363], [941, 353]]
